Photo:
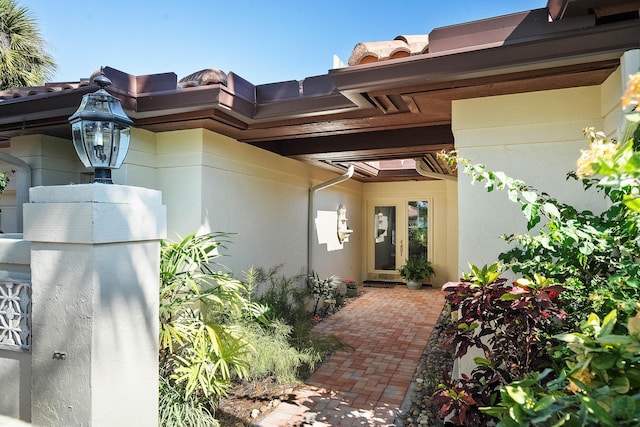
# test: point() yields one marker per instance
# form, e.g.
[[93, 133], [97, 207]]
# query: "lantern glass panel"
[[78, 143]]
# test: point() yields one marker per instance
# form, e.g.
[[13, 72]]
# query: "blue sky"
[[262, 41]]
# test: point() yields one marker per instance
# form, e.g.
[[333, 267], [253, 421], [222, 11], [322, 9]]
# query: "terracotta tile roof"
[[205, 77], [388, 109], [495, 31], [400, 47], [20, 92]]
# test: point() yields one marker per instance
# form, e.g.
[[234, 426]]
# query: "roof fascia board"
[[41, 107], [564, 48]]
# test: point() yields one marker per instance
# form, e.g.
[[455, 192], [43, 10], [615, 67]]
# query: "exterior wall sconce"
[[343, 230], [101, 131]]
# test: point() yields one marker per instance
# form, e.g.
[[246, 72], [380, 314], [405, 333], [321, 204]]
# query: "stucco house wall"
[[53, 161], [535, 137], [212, 183]]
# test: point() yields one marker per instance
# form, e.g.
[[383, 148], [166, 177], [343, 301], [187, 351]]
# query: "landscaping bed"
[[248, 401]]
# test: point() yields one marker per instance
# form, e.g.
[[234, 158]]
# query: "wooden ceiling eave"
[[303, 107], [427, 138], [374, 154]]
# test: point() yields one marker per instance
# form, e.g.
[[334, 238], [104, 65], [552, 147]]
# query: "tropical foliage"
[[213, 333], [23, 57], [562, 345], [200, 352]]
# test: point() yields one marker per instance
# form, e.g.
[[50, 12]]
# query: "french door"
[[398, 230]]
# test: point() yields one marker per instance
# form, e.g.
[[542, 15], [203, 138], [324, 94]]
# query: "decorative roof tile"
[[418, 43], [209, 76], [367, 52], [400, 47]]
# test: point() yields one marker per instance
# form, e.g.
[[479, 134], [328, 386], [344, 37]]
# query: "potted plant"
[[352, 288], [415, 270]]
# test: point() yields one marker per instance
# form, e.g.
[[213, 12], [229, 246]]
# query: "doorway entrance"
[[398, 229]]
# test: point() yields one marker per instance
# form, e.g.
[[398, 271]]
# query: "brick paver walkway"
[[388, 330]]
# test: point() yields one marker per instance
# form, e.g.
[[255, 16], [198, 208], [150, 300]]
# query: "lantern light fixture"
[[101, 131]]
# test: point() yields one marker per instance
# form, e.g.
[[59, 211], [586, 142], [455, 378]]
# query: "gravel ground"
[[418, 409]]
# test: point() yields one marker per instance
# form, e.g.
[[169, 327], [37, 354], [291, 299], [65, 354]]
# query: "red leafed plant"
[[510, 323]]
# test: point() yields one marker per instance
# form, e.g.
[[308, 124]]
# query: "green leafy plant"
[[200, 352], [321, 289], [176, 409], [351, 288], [4, 179], [599, 385], [273, 355], [416, 269]]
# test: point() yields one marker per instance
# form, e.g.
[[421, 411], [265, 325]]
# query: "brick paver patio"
[[388, 330]]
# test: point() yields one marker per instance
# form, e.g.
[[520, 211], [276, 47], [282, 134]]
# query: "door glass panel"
[[384, 226], [418, 228]]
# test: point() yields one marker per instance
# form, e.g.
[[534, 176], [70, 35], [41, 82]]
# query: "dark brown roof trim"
[[597, 43], [564, 9]]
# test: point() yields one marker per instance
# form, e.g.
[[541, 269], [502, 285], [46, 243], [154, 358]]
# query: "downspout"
[[424, 172], [312, 193], [23, 183]]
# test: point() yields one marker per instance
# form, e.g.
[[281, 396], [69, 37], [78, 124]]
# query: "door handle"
[[401, 246]]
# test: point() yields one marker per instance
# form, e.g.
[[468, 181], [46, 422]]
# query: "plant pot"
[[339, 300], [414, 285], [352, 292]]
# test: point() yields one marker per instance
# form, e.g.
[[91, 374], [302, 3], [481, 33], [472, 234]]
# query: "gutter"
[[310, 228], [23, 183], [424, 172]]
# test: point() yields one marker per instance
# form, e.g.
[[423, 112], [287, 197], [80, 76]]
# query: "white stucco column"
[[95, 272]]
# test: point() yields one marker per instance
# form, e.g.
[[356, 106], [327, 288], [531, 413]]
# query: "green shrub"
[[593, 375], [288, 299], [273, 355], [598, 386], [199, 354], [285, 297], [177, 410]]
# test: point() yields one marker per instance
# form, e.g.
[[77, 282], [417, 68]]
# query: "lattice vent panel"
[[15, 315]]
